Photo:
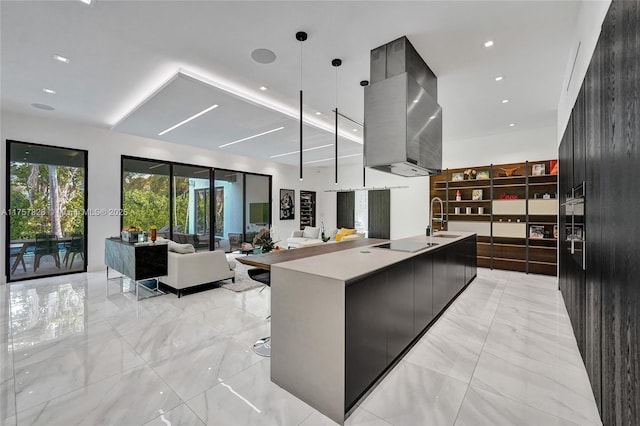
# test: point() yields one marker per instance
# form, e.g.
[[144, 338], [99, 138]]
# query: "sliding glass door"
[[191, 206], [228, 212], [257, 204], [46, 226]]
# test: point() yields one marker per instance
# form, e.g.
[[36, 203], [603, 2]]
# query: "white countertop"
[[347, 265]]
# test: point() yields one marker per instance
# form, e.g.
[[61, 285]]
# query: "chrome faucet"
[[441, 220]]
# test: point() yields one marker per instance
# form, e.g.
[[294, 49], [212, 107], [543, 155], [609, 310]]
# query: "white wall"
[[511, 147], [105, 148], [586, 32]]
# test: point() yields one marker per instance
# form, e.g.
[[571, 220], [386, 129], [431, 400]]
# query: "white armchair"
[[192, 269]]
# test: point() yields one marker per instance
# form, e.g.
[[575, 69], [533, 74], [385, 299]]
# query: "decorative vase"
[[154, 235]]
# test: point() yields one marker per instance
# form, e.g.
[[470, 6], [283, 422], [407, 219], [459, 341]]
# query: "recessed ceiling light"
[[355, 130], [415, 101], [61, 58], [332, 158], [304, 150], [251, 137], [188, 119], [488, 43], [318, 113], [86, 1], [49, 91], [263, 88], [43, 106], [499, 78], [512, 125], [505, 101]]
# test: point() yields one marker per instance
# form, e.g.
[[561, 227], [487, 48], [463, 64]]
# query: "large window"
[[46, 227], [145, 195], [183, 203]]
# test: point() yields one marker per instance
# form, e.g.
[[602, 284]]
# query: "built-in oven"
[[575, 235]]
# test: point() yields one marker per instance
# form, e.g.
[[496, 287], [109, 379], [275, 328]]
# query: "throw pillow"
[[181, 248], [343, 232], [312, 232]]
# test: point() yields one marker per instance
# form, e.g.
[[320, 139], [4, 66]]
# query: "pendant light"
[[336, 63], [301, 36], [364, 83]]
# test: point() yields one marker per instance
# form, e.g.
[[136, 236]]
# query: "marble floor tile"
[[360, 417], [556, 390], [221, 358], [148, 314], [445, 354], [482, 408], [7, 399], [411, 392], [461, 327], [133, 397], [230, 319], [556, 323], [29, 348], [81, 366], [179, 416], [535, 343], [249, 398], [165, 340]]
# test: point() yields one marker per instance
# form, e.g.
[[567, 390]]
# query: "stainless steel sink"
[[445, 236]]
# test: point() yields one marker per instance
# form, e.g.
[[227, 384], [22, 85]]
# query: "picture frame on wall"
[[483, 174], [458, 176], [538, 169], [287, 204], [476, 194], [536, 231]]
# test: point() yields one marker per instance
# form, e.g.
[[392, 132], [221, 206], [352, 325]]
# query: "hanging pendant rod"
[[301, 36], [373, 188], [348, 118], [336, 63]]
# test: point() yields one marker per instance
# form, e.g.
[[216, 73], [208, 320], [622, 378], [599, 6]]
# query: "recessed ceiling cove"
[[234, 119]]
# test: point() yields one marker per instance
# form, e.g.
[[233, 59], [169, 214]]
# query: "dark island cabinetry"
[[389, 309]]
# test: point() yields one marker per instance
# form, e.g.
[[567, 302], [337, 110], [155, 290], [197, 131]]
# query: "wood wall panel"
[[346, 205], [620, 174], [379, 204]]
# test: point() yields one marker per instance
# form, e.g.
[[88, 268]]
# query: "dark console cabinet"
[[389, 309]]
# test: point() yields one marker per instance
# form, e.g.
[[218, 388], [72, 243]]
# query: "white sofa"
[[192, 269], [310, 236]]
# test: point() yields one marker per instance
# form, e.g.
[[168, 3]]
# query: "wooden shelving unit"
[[511, 206], [307, 209]]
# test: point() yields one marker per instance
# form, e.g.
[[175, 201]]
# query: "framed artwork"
[[476, 194], [538, 169], [483, 174], [536, 231], [287, 205], [457, 176]]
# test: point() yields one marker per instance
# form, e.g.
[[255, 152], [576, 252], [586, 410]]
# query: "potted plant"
[[264, 241], [471, 173]]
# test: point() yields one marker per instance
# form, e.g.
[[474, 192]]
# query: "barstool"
[[262, 346]]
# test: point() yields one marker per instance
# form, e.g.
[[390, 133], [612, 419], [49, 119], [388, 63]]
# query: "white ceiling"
[[122, 52]]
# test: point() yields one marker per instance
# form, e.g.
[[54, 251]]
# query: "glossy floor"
[[78, 351]]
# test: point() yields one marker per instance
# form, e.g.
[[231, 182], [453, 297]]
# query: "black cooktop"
[[408, 246]]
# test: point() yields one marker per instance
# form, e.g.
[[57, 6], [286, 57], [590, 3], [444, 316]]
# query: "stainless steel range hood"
[[402, 118]]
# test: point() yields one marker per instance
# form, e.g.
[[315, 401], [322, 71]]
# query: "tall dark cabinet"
[[601, 146]]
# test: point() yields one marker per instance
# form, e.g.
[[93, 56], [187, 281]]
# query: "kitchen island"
[[341, 320]]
